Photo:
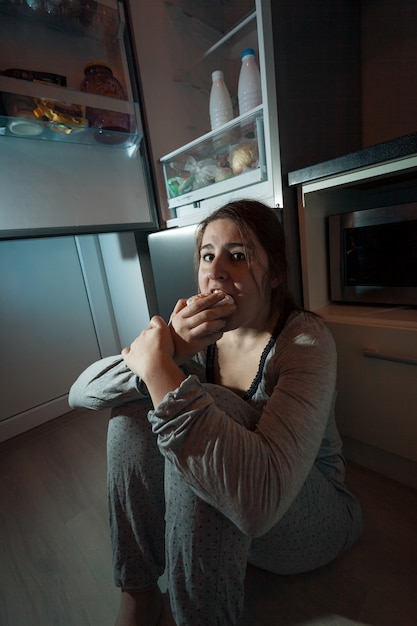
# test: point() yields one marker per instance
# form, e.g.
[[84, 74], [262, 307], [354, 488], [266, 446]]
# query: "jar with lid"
[[112, 126]]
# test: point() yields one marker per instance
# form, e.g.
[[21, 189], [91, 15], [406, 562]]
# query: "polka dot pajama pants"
[[157, 522]]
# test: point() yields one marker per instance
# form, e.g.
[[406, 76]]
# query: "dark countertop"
[[387, 151]]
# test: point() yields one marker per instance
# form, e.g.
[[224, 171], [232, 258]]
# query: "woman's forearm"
[[165, 377], [106, 383]]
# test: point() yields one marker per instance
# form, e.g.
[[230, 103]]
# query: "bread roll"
[[226, 300], [244, 156]]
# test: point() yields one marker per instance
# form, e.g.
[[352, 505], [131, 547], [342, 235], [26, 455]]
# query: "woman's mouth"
[[227, 298]]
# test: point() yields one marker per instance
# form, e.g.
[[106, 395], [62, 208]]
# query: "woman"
[[240, 389]]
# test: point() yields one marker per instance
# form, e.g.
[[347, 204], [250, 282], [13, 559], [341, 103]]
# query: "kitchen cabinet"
[[377, 394], [59, 174], [377, 345], [46, 329]]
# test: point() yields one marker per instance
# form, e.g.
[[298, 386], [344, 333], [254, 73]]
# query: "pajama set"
[[207, 481]]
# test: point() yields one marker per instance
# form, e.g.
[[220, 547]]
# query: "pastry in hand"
[[227, 299]]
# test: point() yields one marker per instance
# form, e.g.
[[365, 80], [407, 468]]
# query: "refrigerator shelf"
[[230, 157], [21, 127], [26, 95]]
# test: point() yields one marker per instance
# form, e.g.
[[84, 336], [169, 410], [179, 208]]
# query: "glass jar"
[[111, 126]]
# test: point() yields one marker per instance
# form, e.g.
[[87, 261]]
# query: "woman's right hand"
[[198, 324]]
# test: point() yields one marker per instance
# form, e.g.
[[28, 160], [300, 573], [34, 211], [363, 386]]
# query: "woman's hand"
[[154, 343], [150, 356], [196, 325]]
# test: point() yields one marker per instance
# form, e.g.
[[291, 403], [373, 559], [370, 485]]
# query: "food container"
[[110, 126], [22, 107]]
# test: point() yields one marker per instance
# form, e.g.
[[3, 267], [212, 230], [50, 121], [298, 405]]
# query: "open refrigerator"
[[194, 173]]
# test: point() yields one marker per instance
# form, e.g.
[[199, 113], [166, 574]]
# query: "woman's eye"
[[208, 257]]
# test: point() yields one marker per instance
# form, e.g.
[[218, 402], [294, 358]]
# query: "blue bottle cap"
[[247, 51]]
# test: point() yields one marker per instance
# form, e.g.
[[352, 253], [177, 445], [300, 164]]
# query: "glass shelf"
[[217, 18], [230, 157], [220, 48], [50, 131], [183, 75], [83, 18], [40, 110]]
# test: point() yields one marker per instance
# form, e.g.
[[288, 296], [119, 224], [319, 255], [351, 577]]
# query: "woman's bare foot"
[[140, 608]]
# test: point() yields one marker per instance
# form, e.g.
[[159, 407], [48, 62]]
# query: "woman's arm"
[[151, 356], [252, 476], [112, 382], [106, 383]]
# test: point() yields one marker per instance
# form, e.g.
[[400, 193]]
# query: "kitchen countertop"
[[378, 153]]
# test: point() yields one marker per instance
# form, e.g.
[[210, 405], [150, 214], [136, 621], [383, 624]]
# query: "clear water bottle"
[[249, 90], [221, 109]]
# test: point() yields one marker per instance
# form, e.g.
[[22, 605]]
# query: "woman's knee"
[[129, 435]]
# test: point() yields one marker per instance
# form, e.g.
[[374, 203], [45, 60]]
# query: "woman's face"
[[224, 265]]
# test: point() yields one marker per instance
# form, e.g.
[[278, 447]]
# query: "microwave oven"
[[372, 255]]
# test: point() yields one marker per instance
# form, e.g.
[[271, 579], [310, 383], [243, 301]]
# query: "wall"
[[389, 60], [317, 61]]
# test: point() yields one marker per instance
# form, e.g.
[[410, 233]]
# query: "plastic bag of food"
[[203, 172], [64, 118]]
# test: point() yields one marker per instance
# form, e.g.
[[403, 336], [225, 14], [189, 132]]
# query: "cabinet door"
[[377, 397], [47, 335]]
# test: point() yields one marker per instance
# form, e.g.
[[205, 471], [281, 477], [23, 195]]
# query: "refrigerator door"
[[172, 258], [60, 175]]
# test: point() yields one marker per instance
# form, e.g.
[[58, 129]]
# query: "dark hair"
[[252, 217]]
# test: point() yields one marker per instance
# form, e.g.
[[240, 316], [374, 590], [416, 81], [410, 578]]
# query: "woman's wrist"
[[161, 376]]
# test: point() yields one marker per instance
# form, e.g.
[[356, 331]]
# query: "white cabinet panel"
[[377, 397], [47, 335]]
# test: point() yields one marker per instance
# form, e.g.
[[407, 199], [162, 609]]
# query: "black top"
[[211, 352]]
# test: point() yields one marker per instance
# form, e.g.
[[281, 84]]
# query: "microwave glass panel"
[[381, 255]]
